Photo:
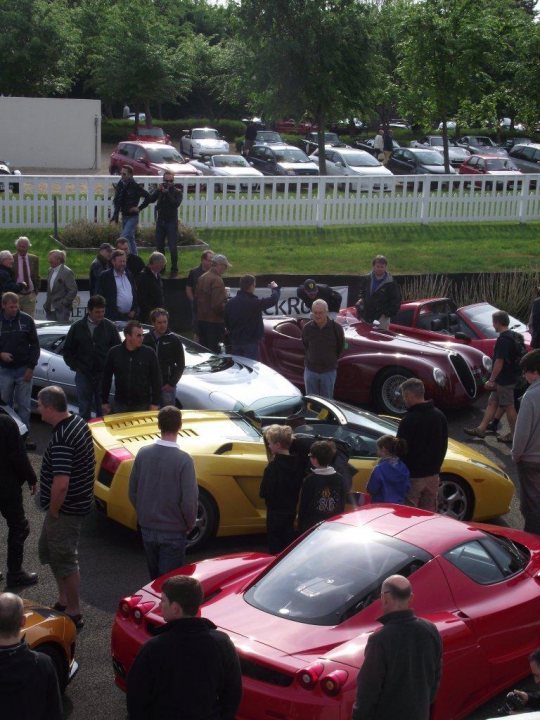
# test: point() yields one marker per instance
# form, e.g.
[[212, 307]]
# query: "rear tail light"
[[141, 610], [114, 458], [331, 684], [308, 677], [127, 604]]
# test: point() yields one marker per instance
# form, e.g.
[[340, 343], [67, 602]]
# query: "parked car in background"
[[229, 166], [367, 145], [527, 157], [509, 143], [417, 161], [203, 141], [353, 163], [506, 123], [294, 127], [150, 134], [456, 153], [148, 158], [281, 160], [268, 137], [375, 363], [481, 145], [311, 141], [5, 169], [489, 165]]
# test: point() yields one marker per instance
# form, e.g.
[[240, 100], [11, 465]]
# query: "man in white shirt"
[[117, 286], [26, 270]]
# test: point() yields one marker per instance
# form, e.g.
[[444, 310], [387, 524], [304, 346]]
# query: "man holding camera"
[[168, 198], [518, 700]]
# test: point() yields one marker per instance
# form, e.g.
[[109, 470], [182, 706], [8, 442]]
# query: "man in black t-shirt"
[[502, 381]]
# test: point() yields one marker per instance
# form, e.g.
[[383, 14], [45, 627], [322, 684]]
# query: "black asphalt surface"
[[112, 566]]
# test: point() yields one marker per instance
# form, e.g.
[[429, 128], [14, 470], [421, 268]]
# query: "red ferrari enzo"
[[300, 621]]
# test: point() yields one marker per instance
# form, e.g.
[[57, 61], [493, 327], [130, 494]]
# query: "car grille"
[[306, 172], [264, 674], [464, 373]]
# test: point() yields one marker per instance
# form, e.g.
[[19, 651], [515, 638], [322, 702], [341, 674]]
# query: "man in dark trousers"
[[192, 279], [211, 297], [150, 286], [425, 430], [119, 289], [380, 296], [87, 343], [170, 354], [243, 317], [168, 198], [401, 671], [16, 471], [311, 291], [136, 374], [126, 202], [28, 682], [189, 669]]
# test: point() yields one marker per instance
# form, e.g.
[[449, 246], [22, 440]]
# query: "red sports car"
[[375, 363], [300, 622], [150, 134]]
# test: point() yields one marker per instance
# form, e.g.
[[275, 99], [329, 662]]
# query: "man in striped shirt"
[[66, 494]]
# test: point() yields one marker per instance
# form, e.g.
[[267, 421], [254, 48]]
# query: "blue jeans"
[[169, 231], [248, 350], [16, 392], [320, 383], [129, 228], [165, 550], [88, 394]]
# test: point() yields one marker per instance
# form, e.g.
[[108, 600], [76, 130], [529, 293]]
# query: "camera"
[[512, 703]]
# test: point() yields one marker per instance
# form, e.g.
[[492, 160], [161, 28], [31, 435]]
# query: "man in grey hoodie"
[[163, 490], [526, 443]]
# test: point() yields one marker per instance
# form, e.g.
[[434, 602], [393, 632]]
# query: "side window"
[[488, 561], [269, 155], [404, 317], [527, 153], [536, 156], [257, 153]]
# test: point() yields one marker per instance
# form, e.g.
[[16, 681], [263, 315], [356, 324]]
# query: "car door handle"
[[462, 615]]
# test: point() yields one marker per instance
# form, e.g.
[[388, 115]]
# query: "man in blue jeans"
[[324, 341], [163, 490], [168, 198], [127, 194]]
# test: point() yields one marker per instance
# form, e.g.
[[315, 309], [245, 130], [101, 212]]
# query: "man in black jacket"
[[170, 354], [136, 374], [401, 671], [99, 264], [87, 343], [16, 471], [243, 317], [7, 276], [311, 291], [425, 430], [28, 682], [119, 289], [380, 296], [190, 669], [531, 700], [126, 201], [168, 198], [150, 286]]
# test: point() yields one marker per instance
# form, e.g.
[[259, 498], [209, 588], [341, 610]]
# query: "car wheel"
[[456, 499], [205, 524], [386, 393], [59, 662]]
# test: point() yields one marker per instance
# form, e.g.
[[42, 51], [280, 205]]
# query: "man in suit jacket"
[[61, 288], [117, 286], [26, 269], [150, 286]]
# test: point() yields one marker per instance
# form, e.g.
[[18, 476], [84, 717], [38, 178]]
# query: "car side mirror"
[[462, 336]]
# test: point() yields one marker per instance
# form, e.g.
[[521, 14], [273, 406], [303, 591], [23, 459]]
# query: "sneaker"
[[474, 432], [508, 438], [21, 579]]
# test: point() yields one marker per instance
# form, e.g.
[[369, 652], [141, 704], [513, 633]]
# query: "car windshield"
[[292, 155], [334, 573], [429, 157], [481, 316], [277, 406], [166, 154], [500, 164], [150, 132], [265, 136], [361, 159], [329, 137], [230, 161], [435, 140], [199, 360], [204, 135]]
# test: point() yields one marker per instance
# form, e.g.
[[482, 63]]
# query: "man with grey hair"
[[168, 198], [324, 341], [243, 317], [7, 279], [29, 686], [61, 288], [211, 298], [27, 273], [400, 675], [150, 286], [66, 494]]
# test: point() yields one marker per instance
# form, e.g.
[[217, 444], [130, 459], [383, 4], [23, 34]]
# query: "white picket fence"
[[311, 201]]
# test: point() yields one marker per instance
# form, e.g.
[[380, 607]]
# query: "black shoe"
[[77, 620], [493, 426], [21, 579], [30, 445]]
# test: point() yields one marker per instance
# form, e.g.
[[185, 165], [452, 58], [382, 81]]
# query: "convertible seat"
[[290, 329]]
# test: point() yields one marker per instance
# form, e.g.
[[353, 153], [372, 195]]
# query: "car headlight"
[[485, 466], [440, 377], [487, 363]]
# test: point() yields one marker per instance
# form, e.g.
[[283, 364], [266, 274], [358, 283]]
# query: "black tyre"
[[386, 393], [456, 498], [59, 661], [206, 523]]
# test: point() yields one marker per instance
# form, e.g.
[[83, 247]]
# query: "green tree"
[[40, 46]]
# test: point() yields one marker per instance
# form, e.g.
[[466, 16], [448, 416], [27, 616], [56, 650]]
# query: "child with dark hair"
[[323, 493], [280, 487], [389, 481]]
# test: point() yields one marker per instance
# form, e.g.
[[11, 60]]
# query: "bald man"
[[29, 684], [402, 661]]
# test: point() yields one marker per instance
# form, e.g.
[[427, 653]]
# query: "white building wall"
[[50, 133]]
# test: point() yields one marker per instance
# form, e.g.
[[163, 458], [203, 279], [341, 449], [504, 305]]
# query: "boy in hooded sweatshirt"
[[280, 487], [324, 492], [389, 481]]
